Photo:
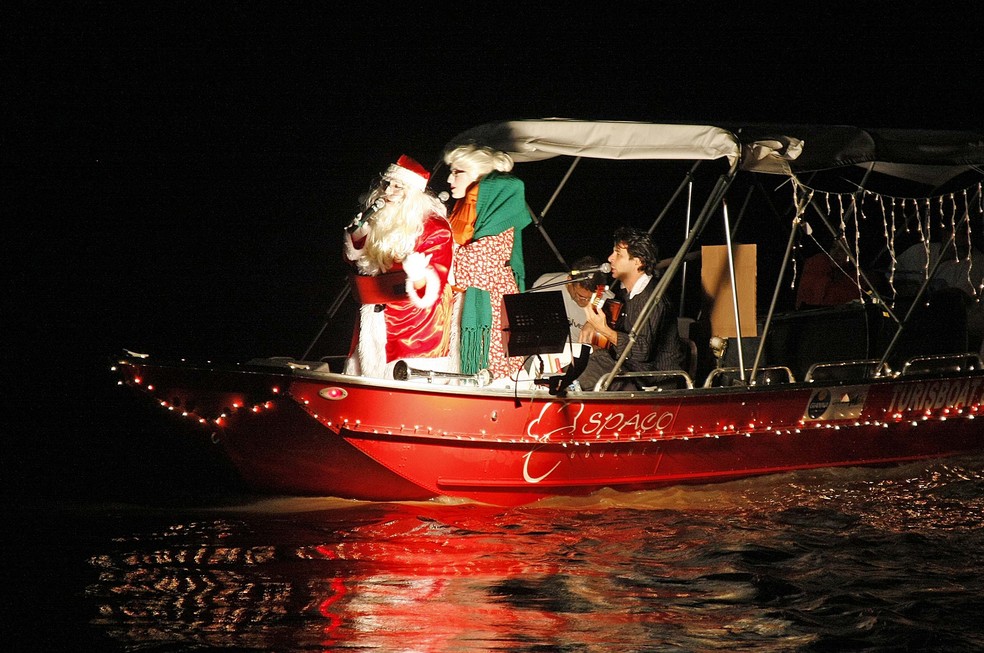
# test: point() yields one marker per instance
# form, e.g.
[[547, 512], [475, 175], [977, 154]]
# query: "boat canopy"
[[926, 156], [536, 140]]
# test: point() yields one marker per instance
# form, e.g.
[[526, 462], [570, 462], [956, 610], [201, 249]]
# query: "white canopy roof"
[[920, 155], [535, 140]]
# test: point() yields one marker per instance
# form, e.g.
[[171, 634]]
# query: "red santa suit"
[[398, 321]]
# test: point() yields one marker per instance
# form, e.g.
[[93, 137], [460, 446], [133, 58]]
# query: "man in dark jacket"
[[657, 346]]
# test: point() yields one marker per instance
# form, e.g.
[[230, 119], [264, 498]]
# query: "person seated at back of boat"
[[963, 270], [962, 267], [657, 346], [577, 290], [828, 279], [960, 275], [580, 290]]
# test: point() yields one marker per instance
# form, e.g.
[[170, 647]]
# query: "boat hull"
[[304, 432]]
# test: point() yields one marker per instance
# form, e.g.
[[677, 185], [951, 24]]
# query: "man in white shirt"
[[587, 288]]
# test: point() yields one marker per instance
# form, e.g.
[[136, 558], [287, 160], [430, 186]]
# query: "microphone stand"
[[564, 282], [335, 305]]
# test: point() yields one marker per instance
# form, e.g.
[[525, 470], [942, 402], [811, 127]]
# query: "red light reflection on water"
[[469, 576], [324, 608], [701, 568]]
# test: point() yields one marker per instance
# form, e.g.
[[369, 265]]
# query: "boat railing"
[[942, 364], [657, 381], [847, 371], [290, 363], [771, 375]]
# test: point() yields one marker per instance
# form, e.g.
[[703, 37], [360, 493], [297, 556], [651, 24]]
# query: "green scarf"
[[501, 204], [476, 329]]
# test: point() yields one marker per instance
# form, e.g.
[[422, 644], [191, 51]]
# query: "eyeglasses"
[[395, 186], [581, 298]]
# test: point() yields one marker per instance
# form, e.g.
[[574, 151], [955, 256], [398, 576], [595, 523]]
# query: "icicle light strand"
[[960, 210]]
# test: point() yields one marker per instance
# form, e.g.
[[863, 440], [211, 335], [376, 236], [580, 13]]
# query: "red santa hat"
[[408, 172]]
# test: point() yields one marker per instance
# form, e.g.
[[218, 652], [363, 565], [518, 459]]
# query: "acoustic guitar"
[[612, 309]]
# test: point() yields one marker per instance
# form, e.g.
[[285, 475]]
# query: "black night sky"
[[176, 175]]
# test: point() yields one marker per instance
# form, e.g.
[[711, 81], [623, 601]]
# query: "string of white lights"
[[955, 216]]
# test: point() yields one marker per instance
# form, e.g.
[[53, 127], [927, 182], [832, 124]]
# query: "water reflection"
[[827, 559]]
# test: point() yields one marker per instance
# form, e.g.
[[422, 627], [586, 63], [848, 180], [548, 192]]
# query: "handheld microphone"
[[604, 267], [361, 218]]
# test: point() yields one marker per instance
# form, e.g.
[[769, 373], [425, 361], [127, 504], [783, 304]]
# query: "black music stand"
[[535, 323]]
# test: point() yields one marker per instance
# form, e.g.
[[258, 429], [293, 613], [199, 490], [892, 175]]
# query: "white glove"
[[415, 265]]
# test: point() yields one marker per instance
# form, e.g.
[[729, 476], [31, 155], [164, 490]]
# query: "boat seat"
[[729, 376], [689, 357], [941, 365], [845, 371]]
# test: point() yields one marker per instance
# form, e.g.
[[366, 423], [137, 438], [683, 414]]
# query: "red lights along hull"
[[304, 432]]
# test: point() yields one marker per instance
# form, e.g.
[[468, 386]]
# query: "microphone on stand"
[[361, 218], [443, 196], [604, 267]]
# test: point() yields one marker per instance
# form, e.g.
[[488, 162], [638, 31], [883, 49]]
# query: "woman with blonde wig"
[[487, 220]]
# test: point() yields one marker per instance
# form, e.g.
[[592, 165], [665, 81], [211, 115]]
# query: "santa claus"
[[400, 248]]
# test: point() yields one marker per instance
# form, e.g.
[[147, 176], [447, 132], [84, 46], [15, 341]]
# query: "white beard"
[[392, 237]]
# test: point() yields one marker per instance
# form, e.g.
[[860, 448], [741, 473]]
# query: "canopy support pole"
[[787, 257], [734, 291], [335, 305], [683, 274], [716, 197], [538, 221], [741, 213], [687, 181]]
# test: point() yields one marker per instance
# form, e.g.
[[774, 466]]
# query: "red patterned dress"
[[488, 262], [484, 263]]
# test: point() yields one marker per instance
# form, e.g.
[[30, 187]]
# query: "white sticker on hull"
[[844, 402]]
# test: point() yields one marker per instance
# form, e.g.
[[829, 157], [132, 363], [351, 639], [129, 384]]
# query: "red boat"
[[855, 384]]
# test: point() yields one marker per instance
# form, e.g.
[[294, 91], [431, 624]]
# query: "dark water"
[[834, 560]]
